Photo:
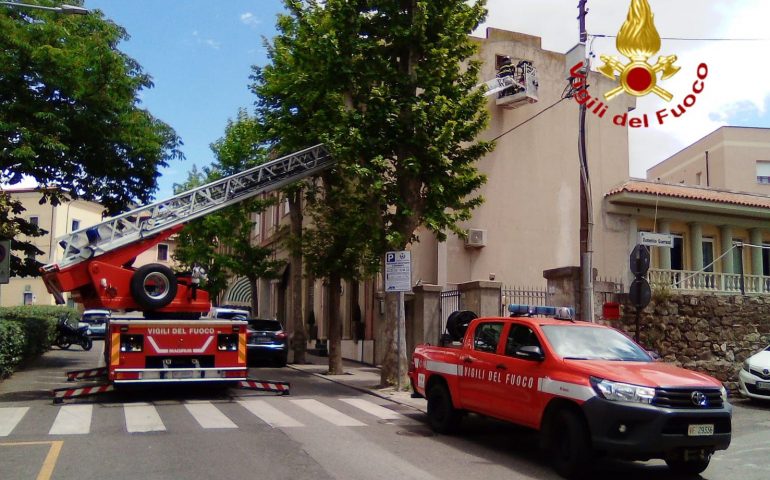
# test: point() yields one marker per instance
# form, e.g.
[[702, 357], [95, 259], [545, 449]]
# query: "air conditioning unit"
[[476, 238]]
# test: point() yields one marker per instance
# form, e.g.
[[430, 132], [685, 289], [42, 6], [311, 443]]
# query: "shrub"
[[30, 329], [11, 346]]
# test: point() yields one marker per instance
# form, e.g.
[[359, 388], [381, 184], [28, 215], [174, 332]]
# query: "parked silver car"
[[754, 377]]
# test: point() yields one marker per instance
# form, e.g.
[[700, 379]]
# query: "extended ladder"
[[152, 219]]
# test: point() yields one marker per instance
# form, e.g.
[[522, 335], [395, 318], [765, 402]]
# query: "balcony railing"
[[714, 282]]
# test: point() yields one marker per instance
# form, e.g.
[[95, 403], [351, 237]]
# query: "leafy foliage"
[[387, 85], [27, 331], [222, 241], [70, 115], [12, 224]]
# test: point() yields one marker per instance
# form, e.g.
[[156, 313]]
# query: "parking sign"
[[398, 271]]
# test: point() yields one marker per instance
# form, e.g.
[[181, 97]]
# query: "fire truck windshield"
[[577, 342]]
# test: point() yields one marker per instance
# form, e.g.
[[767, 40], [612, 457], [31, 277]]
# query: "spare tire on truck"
[[153, 286], [458, 322]]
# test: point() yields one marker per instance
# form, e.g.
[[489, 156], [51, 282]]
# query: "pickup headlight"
[[723, 393], [622, 392]]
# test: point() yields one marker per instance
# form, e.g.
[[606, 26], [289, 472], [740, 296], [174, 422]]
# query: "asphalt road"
[[323, 430]]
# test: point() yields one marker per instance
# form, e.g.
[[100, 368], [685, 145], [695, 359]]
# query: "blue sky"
[[200, 53]]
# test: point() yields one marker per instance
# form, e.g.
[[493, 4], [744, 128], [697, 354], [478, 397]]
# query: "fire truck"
[[588, 389], [170, 343]]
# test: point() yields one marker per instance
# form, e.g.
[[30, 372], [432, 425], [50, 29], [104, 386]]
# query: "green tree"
[[223, 241], [69, 110], [388, 86]]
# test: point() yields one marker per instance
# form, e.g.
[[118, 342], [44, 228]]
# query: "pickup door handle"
[[502, 367], [467, 360]]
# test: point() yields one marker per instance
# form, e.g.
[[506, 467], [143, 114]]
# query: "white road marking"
[[72, 420], [9, 418], [142, 418], [327, 413], [372, 408], [209, 416], [269, 414]]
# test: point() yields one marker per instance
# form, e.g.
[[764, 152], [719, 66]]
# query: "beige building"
[[57, 221], [713, 198]]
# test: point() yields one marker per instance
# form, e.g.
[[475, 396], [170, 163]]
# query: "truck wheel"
[[442, 415], [687, 467], [153, 286], [568, 444]]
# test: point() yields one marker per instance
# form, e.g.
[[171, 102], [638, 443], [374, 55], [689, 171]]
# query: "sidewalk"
[[364, 378]]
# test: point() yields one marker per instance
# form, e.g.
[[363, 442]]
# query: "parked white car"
[[754, 377]]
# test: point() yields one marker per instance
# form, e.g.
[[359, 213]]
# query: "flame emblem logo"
[[638, 40]]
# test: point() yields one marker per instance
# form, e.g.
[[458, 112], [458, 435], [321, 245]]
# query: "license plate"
[[263, 339], [702, 430], [763, 385], [182, 374]]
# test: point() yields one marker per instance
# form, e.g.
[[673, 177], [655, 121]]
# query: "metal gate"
[[450, 302]]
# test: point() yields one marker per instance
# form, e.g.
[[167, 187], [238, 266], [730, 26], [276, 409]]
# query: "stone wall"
[[709, 333]]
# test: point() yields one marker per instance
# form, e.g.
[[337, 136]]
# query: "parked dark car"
[[267, 341]]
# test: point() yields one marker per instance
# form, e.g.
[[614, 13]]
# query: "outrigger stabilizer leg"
[[281, 388], [61, 394]]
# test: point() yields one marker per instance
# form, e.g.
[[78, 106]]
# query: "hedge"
[[28, 331]]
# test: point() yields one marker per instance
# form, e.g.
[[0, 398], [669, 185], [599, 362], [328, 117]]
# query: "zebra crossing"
[[141, 418]]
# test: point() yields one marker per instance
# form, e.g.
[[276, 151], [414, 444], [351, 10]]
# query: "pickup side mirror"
[[530, 352], [655, 355]]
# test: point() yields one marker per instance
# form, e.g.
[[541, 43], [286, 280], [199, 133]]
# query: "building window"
[[737, 260], [763, 172], [677, 253], [285, 206], [162, 252], [75, 225], [708, 254], [34, 221], [697, 178], [766, 259]]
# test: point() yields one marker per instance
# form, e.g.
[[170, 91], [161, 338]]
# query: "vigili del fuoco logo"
[[638, 40]]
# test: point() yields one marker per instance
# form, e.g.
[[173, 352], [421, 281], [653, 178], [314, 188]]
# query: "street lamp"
[[63, 9]]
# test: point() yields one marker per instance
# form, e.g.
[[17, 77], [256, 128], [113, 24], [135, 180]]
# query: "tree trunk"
[[299, 338], [335, 326], [254, 296], [389, 367]]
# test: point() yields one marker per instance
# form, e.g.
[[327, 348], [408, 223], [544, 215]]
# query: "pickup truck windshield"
[[575, 342]]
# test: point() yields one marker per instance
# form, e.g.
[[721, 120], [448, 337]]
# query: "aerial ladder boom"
[[89, 253]]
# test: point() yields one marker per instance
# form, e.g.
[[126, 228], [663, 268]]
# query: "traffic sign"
[[398, 271], [639, 262], [640, 293], [5, 261]]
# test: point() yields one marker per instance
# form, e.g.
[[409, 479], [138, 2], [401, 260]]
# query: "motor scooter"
[[66, 335]]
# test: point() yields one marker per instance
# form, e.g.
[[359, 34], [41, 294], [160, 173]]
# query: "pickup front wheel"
[[568, 444], [442, 415]]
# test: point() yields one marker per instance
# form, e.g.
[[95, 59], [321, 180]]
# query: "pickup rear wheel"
[[568, 444], [442, 415], [153, 286]]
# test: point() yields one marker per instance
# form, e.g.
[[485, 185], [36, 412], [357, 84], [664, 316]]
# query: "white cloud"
[[250, 19], [209, 42]]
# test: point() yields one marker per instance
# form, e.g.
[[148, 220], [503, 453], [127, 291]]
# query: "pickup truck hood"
[[648, 374]]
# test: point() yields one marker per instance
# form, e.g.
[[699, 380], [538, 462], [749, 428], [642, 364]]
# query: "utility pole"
[[586, 205]]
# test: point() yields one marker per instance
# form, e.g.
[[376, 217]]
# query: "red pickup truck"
[[588, 389]]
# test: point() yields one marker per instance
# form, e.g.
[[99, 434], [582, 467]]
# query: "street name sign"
[[656, 239]]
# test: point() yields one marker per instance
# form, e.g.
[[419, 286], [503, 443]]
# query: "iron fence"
[[450, 302]]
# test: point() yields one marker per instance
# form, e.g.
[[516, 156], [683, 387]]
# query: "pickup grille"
[[683, 398]]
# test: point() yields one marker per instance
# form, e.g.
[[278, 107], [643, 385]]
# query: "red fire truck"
[[589, 390], [170, 343]]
